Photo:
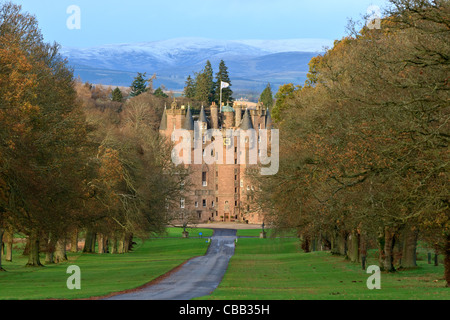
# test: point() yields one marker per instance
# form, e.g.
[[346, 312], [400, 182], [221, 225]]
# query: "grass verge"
[[276, 269]]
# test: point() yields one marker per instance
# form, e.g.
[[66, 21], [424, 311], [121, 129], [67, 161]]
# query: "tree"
[[189, 89], [41, 165], [117, 95], [284, 95], [160, 93], [267, 97], [204, 85], [227, 93], [360, 167], [139, 84]]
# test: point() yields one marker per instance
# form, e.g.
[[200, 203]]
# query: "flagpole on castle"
[[222, 85], [221, 96]]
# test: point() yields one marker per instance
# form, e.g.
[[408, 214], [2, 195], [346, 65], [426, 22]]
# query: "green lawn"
[[276, 269], [261, 269], [193, 232], [100, 274]]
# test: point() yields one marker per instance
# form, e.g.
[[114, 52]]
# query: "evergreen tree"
[[204, 84], [267, 97], [222, 75], [117, 95], [189, 89], [139, 85], [160, 93], [209, 80]]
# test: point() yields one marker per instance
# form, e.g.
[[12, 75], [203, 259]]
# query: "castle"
[[219, 191]]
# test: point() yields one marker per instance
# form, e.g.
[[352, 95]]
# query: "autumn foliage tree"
[[364, 150], [73, 163]]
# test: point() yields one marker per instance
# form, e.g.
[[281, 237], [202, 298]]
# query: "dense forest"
[[364, 143]]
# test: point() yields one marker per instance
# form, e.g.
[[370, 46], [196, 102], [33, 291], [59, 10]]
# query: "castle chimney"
[[238, 115]]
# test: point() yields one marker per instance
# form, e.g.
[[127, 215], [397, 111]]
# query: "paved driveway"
[[198, 277]]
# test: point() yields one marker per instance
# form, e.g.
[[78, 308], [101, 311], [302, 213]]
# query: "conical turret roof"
[[188, 121], [163, 125], [246, 123], [203, 117]]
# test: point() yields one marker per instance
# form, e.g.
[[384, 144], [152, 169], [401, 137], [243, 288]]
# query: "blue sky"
[[118, 21]]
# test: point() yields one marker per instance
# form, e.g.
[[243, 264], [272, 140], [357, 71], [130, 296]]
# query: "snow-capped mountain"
[[251, 63]]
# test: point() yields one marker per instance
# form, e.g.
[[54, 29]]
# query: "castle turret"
[[214, 116], [228, 116], [163, 125], [246, 123], [203, 120], [188, 123]]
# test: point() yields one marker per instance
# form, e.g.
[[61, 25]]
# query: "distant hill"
[[251, 63]]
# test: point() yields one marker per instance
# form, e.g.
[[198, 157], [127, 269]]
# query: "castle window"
[[204, 183], [196, 204], [182, 203], [242, 183], [204, 202], [212, 203]]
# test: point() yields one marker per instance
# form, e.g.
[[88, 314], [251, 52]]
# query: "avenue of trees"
[[364, 150], [75, 160]]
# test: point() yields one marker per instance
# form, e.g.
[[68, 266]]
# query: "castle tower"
[[203, 120], [228, 117], [214, 116]]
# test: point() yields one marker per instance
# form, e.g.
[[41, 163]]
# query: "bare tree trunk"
[[447, 260], [409, 248], [114, 245], [334, 242], [33, 256], [363, 249], [387, 250], [2, 231], [9, 245], [50, 249], [342, 243], [60, 251], [74, 241], [353, 246], [102, 243], [306, 244], [89, 242]]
